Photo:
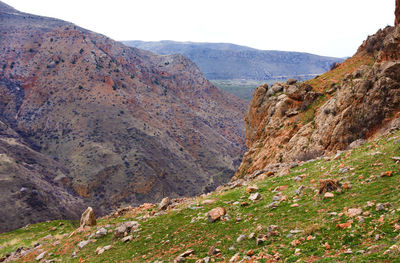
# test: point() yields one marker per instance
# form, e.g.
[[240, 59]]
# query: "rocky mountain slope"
[[222, 61], [109, 124], [290, 122]]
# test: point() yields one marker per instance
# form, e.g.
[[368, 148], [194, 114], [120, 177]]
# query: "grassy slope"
[[313, 215]]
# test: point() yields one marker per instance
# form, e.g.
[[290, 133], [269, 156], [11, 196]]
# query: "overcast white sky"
[[331, 28]]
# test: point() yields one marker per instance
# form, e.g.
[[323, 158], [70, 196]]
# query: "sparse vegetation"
[[309, 226]]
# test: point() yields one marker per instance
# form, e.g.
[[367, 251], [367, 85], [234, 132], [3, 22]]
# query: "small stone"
[[100, 251], [179, 259], [213, 251], [101, 232], [380, 207], [235, 258], [255, 196], [259, 240], [272, 205], [252, 235], [127, 238], [123, 228], [232, 248], [164, 203], [241, 238], [352, 212], [276, 198], [107, 247], [294, 205], [348, 251], [329, 195], [206, 259], [41, 256], [216, 213], [252, 188], [296, 231], [208, 201], [88, 218], [299, 190], [297, 179], [83, 243]]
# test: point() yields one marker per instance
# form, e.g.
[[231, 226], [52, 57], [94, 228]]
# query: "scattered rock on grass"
[[352, 212], [255, 197], [83, 243], [127, 238], [380, 207], [125, 227], [216, 213], [41, 256], [101, 232], [252, 188], [329, 195], [241, 238]]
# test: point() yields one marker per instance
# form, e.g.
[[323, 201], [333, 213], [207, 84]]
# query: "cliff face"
[[290, 122], [128, 126]]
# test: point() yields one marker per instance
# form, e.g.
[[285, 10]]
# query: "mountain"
[[91, 120], [223, 61]]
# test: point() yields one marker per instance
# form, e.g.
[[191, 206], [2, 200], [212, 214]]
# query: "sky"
[[330, 28]]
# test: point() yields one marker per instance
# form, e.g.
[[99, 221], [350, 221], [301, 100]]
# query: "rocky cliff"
[[113, 125], [291, 122]]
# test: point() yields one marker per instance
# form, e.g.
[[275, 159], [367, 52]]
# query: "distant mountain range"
[[223, 61]]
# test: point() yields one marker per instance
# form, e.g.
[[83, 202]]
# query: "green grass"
[[165, 237]]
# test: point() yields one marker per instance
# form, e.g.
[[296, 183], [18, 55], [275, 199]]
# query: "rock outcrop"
[[88, 218], [397, 13], [296, 122], [126, 126]]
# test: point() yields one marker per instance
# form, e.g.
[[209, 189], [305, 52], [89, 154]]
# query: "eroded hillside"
[[127, 125]]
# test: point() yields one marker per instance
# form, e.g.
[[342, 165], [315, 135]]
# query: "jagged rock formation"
[[296, 122], [223, 61], [125, 126]]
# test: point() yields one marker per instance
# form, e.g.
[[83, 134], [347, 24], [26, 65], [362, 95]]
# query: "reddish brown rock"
[[397, 13], [216, 213]]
